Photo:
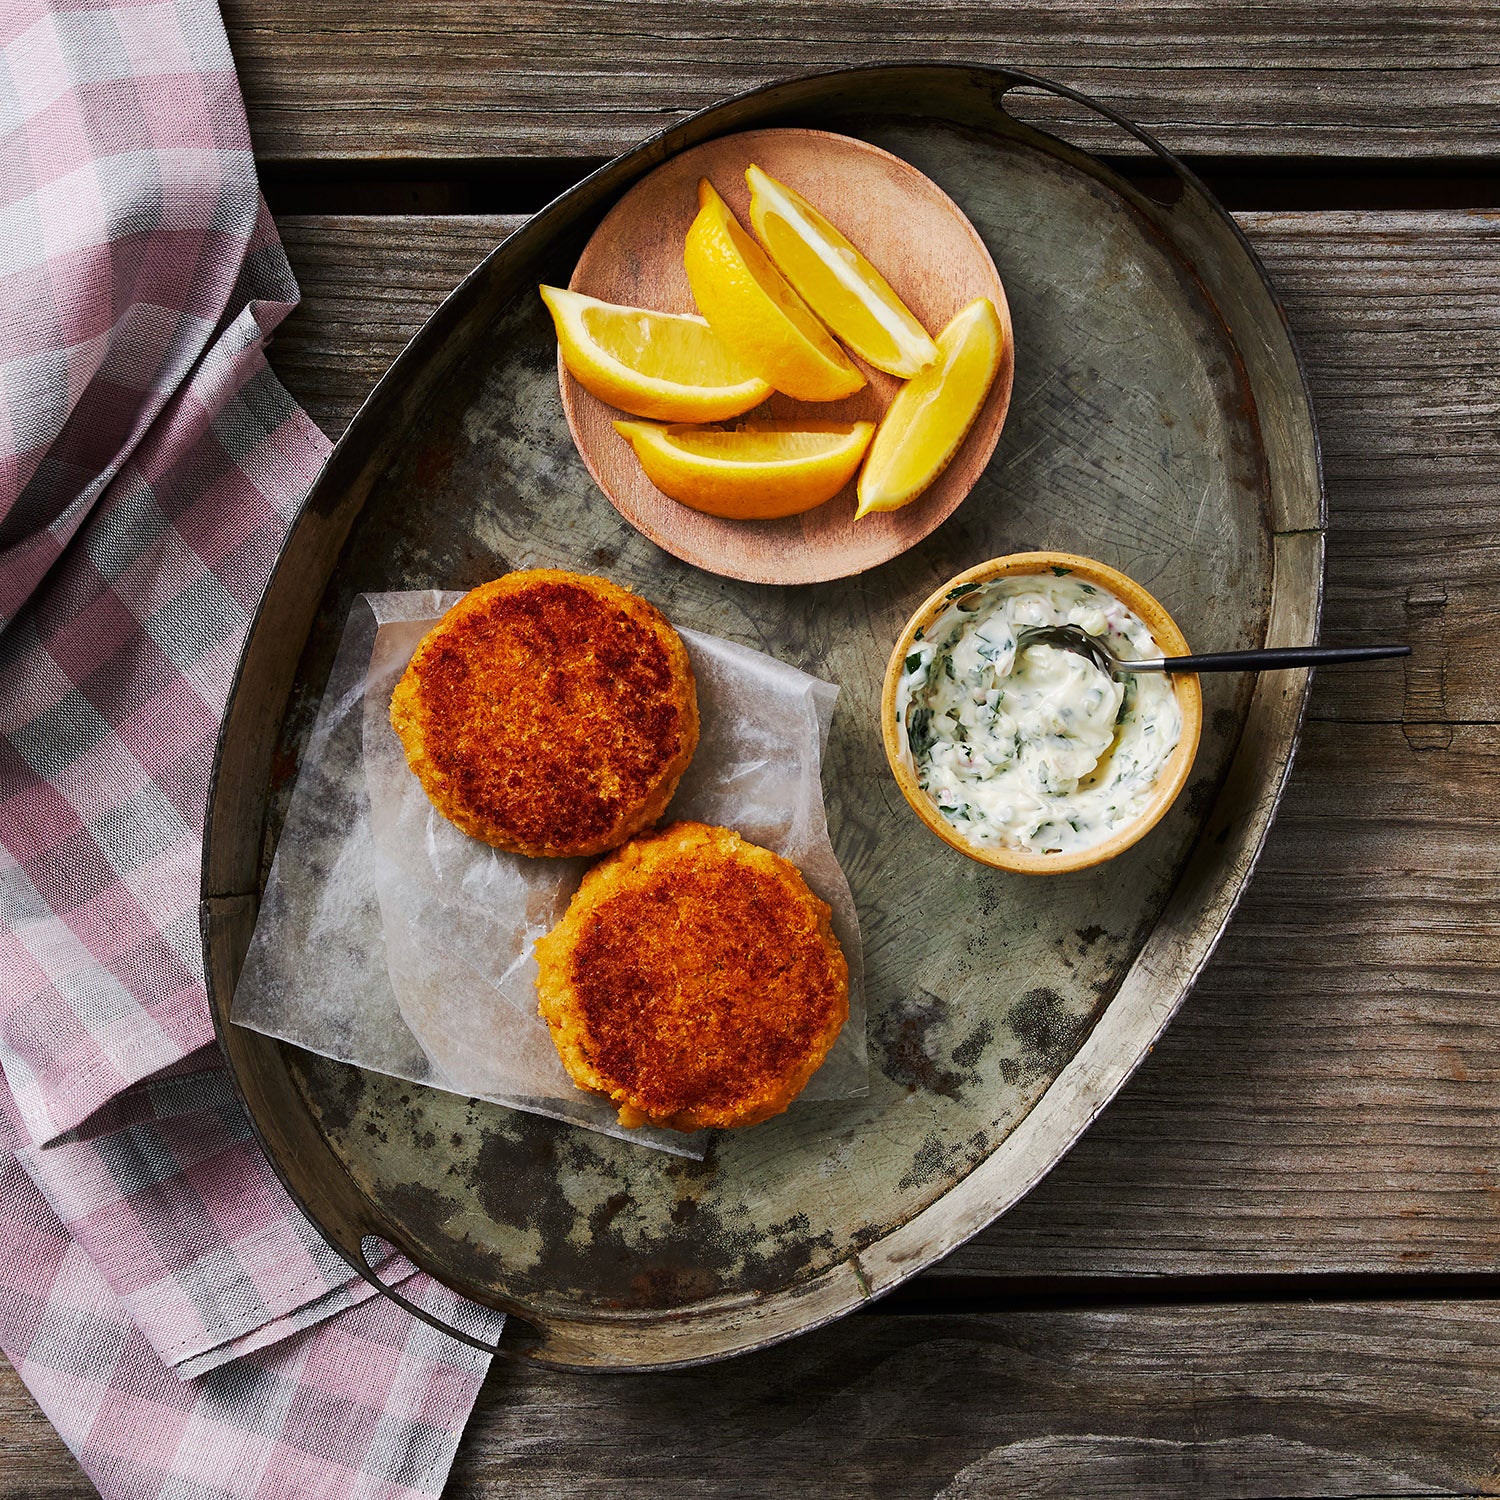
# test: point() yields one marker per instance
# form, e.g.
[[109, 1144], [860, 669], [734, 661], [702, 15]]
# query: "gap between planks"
[[937, 1293], [513, 185]]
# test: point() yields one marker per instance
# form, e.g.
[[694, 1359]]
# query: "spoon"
[[1075, 638]]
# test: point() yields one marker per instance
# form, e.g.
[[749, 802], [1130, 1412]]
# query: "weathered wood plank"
[[1398, 317], [34, 1462], [539, 78], [1185, 1403], [1326, 1099], [368, 284]]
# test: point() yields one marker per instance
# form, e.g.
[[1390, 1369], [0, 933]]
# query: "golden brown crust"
[[695, 980], [549, 713]]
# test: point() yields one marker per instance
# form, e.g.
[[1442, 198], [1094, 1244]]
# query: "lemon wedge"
[[759, 317], [836, 281], [931, 415], [666, 365], [754, 473]]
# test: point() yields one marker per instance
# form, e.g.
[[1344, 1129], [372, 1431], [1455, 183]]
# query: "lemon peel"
[[836, 280]]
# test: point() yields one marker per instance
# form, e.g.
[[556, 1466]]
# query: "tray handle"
[[371, 1274], [1181, 175]]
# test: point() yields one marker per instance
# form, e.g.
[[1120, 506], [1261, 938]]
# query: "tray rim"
[[1044, 1134]]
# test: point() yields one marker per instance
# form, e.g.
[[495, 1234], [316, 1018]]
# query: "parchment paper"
[[389, 939]]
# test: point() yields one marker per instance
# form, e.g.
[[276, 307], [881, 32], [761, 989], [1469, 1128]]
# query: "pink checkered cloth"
[[183, 1326]]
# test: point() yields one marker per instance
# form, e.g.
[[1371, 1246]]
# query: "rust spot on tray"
[[697, 1250], [911, 1036], [1042, 1024], [935, 1162], [433, 465]]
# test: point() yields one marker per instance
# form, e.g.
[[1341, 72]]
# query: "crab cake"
[[695, 980], [549, 713]]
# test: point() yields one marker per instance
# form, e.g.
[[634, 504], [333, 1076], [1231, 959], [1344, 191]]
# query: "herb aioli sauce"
[[1039, 751]]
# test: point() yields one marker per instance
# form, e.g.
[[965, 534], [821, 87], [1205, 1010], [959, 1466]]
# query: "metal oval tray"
[[1160, 423]]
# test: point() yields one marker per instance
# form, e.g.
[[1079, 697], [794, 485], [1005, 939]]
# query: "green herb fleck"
[[962, 589], [1061, 572], [914, 661], [919, 733]]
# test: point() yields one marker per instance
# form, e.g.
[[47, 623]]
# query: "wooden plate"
[[910, 230]]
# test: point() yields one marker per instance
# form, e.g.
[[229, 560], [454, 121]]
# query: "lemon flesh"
[[836, 280], [664, 365], [754, 473], [749, 304]]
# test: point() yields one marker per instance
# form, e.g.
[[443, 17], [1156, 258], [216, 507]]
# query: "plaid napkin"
[[149, 466], [369, 1403]]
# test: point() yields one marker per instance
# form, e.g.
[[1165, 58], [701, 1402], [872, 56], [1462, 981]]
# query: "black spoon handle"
[[1268, 660]]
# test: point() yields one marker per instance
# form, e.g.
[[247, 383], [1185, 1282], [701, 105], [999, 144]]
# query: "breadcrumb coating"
[[695, 980], [549, 713]]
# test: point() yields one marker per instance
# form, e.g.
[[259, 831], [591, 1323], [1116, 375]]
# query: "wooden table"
[[1273, 1266]]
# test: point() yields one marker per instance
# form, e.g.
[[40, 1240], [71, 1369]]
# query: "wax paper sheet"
[[389, 939]]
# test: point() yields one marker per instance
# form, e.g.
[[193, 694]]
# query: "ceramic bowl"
[[1174, 774]]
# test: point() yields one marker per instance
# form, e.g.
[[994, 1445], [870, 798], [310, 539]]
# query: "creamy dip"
[[1037, 750]]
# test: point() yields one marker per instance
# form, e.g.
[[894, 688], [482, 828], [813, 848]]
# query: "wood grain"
[[332, 79], [367, 286], [1326, 1099], [1185, 1403], [34, 1462], [1398, 316]]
